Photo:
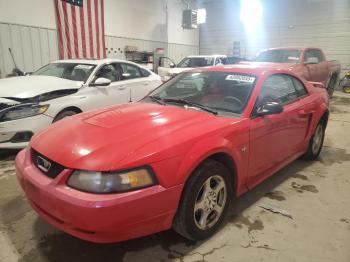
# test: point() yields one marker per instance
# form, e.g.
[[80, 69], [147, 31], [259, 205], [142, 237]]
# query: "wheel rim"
[[317, 140], [210, 202]]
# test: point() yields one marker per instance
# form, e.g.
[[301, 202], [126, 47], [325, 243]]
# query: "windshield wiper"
[[186, 102], [157, 99]]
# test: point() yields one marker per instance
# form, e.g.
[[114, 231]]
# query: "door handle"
[[121, 87]]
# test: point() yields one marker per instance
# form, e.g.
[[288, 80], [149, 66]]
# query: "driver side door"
[[275, 138]]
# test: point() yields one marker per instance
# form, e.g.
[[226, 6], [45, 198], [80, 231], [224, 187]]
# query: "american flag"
[[80, 28]]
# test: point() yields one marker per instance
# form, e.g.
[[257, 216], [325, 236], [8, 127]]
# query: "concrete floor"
[[316, 194]]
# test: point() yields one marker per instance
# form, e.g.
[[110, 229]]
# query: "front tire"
[[204, 202], [316, 142]]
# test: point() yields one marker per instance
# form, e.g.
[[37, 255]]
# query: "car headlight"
[[111, 182], [22, 111]]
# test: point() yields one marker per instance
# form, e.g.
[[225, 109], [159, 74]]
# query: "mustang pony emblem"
[[43, 164]]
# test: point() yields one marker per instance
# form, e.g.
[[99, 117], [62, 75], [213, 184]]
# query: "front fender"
[[58, 104], [208, 147]]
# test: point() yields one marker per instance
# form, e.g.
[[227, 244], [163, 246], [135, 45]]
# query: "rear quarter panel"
[[317, 103]]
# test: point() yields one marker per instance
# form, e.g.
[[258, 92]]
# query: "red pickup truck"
[[307, 62]]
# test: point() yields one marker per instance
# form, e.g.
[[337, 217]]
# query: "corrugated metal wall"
[[319, 23], [178, 51], [34, 47], [115, 47], [31, 46]]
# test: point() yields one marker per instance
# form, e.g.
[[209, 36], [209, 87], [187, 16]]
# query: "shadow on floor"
[[8, 154], [62, 247]]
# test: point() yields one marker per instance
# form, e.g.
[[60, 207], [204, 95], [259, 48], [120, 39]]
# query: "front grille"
[[48, 167]]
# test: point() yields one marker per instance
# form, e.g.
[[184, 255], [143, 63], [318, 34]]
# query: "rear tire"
[[331, 85], [205, 200], [64, 114], [316, 142]]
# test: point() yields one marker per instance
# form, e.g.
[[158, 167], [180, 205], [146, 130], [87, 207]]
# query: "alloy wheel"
[[317, 139], [210, 202]]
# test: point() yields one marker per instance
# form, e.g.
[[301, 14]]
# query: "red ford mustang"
[[174, 159]]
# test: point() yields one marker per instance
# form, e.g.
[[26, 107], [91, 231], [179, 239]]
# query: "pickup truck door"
[[316, 65], [324, 72], [275, 138], [312, 72]]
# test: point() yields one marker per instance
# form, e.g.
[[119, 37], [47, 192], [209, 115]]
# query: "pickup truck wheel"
[[331, 85], [204, 201], [316, 142], [64, 114]]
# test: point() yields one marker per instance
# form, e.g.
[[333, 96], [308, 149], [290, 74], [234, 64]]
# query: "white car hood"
[[165, 71], [30, 86]]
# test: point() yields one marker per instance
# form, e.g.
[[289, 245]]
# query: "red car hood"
[[110, 138]]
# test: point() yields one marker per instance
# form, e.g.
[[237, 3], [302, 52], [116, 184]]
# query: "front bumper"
[[101, 218], [32, 124]]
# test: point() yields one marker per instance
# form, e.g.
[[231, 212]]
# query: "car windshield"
[[71, 71], [223, 92], [196, 62], [279, 56]]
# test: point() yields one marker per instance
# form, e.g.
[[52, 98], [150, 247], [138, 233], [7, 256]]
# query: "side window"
[[144, 72], [218, 61], [110, 72], [130, 71], [299, 87], [277, 88], [308, 56], [318, 54], [313, 56], [186, 63]]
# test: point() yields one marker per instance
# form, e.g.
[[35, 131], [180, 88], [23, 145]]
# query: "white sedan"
[[64, 88]]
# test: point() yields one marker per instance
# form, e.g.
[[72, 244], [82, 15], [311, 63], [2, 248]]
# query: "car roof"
[[92, 61], [192, 56], [291, 48], [249, 69]]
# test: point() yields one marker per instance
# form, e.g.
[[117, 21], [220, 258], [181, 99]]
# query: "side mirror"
[[270, 108], [172, 65], [318, 84], [101, 81], [311, 60]]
